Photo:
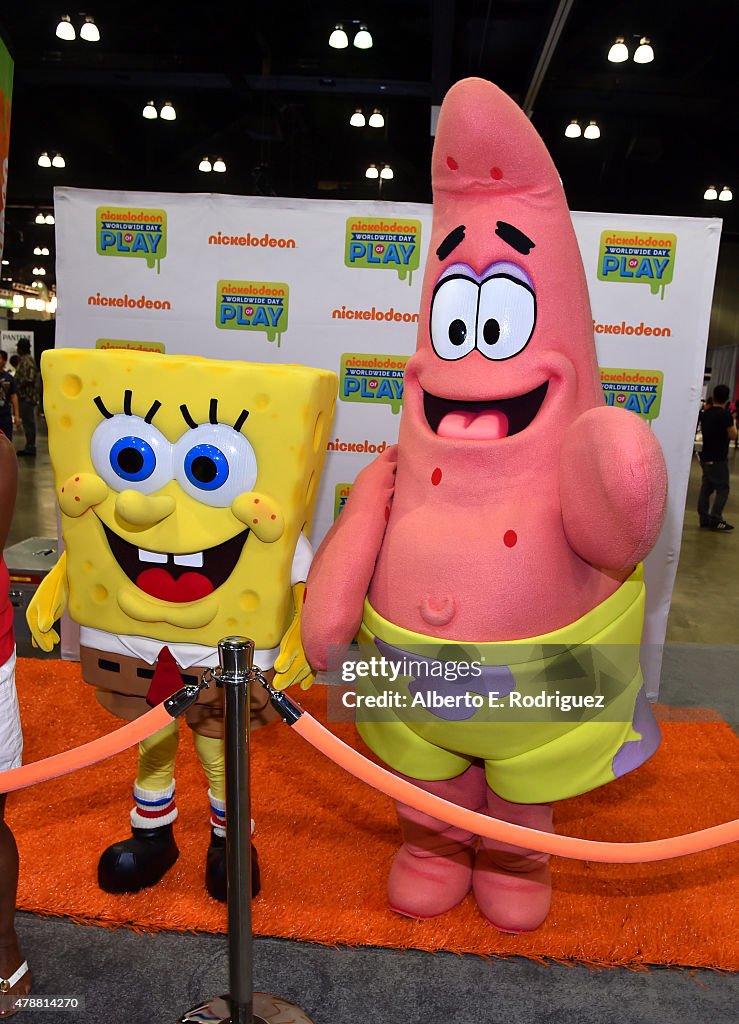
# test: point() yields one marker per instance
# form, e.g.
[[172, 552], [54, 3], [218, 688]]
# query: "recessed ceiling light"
[[573, 130], [219, 165], [363, 40], [149, 111], [372, 171], [710, 193], [89, 31], [618, 53], [168, 112], [592, 131], [338, 38], [357, 120], [44, 160], [376, 119], [644, 53], [205, 165], [65, 29], [725, 195]]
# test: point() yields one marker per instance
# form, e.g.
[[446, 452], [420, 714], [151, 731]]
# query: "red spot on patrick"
[[387, 512], [451, 163], [305, 595], [510, 538], [495, 173], [436, 477]]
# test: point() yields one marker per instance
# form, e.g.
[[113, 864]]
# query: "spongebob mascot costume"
[[186, 488]]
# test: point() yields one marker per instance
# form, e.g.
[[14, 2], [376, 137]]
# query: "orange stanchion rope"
[[493, 828], [101, 748]]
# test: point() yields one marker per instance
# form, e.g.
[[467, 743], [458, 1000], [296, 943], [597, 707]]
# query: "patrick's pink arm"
[[613, 488], [340, 575]]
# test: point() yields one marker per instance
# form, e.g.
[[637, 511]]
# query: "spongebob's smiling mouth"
[[177, 578]]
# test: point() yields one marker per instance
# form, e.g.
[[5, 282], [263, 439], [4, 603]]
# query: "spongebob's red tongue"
[[190, 586], [467, 425]]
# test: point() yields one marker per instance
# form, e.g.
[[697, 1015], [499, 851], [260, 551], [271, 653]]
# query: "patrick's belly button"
[[437, 611]]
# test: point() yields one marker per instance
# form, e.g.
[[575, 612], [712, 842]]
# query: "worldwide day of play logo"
[[134, 233], [640, 391], [377, 243], [253, 306], [637, 257], [378, 379], [341, 493]]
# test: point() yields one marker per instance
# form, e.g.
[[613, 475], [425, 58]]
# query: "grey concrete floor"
[[125, 977]]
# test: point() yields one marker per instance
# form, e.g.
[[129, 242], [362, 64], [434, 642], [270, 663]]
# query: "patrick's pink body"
[[515, 501], [495, 537]]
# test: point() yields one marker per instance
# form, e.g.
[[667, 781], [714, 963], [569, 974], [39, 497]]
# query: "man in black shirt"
[[717, 426]]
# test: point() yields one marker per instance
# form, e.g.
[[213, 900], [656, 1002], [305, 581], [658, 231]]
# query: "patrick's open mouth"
[[177, 578], [483, 421]]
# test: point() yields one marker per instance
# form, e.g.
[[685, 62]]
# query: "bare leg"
[[10, 954]]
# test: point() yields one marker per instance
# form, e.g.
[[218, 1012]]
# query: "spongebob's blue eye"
[[128, 452], [214, 464], [206, 467], [132, 459]]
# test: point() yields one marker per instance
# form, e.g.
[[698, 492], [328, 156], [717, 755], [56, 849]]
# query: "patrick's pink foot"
[[512, 885], [432, 871], [423, 885]]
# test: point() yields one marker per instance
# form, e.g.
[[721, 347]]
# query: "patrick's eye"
[[214, 464], [505, 318], [453, 316], [127, 452]]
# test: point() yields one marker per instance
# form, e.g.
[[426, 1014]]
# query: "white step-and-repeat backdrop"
[[337, 285]]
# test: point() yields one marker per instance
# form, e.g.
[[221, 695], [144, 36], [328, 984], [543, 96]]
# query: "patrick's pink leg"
[[512, 885], [432, 871]]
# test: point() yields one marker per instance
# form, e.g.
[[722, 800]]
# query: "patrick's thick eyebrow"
[[451, 242], [515, 238]]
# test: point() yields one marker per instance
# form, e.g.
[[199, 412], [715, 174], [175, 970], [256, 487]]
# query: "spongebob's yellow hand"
[[47, 604], [291, 666]]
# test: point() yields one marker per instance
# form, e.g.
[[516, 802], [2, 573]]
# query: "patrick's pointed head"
[[505, 348]]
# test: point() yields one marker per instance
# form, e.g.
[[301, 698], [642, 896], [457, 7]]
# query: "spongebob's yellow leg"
[[154, 789], [212, 754]]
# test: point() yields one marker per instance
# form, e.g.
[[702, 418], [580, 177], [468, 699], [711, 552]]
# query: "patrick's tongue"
[[467, 425]]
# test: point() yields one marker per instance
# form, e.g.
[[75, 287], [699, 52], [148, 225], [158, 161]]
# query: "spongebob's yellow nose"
[[143, 509]]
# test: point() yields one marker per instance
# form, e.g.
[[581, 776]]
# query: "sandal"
[[6, 984]]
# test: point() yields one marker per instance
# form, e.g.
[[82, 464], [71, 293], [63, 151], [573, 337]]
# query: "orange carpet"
[[326, 842]]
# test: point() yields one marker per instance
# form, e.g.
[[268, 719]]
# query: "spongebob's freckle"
[[76, 479], [255, 521], [76, 497], [273, 516], [256, 501], [62, 490]]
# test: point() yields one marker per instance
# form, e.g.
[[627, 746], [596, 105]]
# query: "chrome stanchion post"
[[243, 1005]]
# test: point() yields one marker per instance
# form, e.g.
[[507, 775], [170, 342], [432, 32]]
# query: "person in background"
[[718, 428], [14, 977], [9, 412], [13, 364], [27, 382]]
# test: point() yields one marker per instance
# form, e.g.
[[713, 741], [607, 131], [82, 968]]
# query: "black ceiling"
[[258, 85]]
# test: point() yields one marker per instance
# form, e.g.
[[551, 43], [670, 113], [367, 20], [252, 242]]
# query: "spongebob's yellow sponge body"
[[184, 484]]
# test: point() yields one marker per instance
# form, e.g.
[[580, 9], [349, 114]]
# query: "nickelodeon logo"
[[374, 243], [133, 233], [637, 257], [127, 301], [265, 241], [372, 378], [253, 306]]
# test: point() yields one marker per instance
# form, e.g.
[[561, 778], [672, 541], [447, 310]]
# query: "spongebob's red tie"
[[167, 679]]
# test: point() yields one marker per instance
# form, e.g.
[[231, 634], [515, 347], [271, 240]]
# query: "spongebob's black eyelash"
[[213, 416], [101, 406], [156, 406], [127, 396]]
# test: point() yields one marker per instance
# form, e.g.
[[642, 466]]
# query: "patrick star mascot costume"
[[509, 524]]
